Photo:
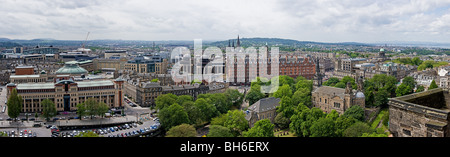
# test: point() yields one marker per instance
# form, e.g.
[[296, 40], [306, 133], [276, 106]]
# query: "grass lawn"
[[284, 133]]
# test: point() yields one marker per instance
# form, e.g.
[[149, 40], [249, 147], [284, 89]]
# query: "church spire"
[[317, 81], [238, 44]]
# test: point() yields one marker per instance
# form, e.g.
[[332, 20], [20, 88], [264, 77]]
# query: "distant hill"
[[246, 42]]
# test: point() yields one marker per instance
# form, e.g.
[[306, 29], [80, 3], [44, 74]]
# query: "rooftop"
[[431, 102], [52, 85], [265, 104], [69, 68]]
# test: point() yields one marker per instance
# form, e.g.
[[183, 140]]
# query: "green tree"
[[302, 95], [356, 112], [323, 127], [420, 88], [262, 128], [172, 116], [433, 85], [357, 130], [182, 130], [426, 64], [331, 82], [284, 90], [14, 104], [101, 109], [409, 81], [281, 121], [233, 120], [346, 79], [342, 123], [91, 107], [340, 85], [403, 89], [81, 110], [154, 80], [183, 98], [286, 80], [286, 107], [303, 83], [254, 94], [49, 109], [416, 61], [207, 110], [383, 81], [370, 97], [234, 97], [381, 97], [165, 100], [221, 102], [219, 131], [193, 113], [304, 118]]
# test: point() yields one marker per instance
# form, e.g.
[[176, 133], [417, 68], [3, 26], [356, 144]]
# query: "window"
[[337, 105], [407, 132]]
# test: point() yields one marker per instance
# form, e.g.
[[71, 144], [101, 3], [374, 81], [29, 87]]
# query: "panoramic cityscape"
[[225, 69]]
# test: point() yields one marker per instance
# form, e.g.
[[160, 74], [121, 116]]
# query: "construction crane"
[[85, 39]]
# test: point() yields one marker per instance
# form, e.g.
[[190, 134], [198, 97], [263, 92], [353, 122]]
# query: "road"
[[3, 116]]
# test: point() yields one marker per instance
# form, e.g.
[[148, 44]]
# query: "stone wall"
[[408, 119]]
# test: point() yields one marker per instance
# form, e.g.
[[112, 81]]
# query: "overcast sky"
[[305, 20]]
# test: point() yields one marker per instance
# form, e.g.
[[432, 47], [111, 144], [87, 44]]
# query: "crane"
[[85, 39]]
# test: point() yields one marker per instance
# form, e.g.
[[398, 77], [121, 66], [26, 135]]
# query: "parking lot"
[[146, 128], [28, 132]]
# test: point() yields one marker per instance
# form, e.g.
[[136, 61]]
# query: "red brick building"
[[24, 70], [289, 64]]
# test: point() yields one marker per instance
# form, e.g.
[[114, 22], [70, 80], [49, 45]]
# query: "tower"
[[360, 98], [118, 85], [238, 43], [381, 54], [348, 96], [317, 82]]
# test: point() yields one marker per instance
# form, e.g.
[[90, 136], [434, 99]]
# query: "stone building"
[[66, 93], [331, 98], [423, 114], [265, 108], [346, 67], [140, 88], [109, 64]]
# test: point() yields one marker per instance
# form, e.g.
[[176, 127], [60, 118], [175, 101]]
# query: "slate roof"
[[265, 104]]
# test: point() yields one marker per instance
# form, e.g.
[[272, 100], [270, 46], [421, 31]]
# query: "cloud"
[[317, 20]]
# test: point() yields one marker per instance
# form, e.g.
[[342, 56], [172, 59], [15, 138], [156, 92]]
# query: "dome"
[[71, 69], [360, 94]]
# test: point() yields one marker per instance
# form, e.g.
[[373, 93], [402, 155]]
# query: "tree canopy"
[[262, 128], [182, 130], [172, 116], [14, 104]]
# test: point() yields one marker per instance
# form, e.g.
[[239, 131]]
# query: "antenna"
[[85, 39]]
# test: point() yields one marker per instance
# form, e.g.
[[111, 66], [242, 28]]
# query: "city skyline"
[[322, 21]]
